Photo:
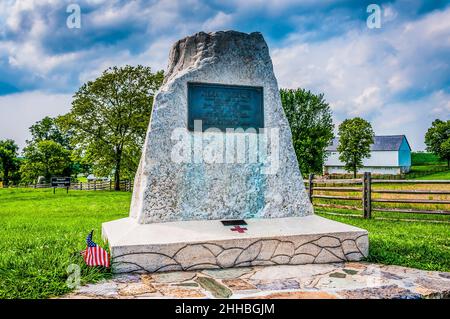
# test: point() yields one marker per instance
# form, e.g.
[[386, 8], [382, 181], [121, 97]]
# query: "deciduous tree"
[[437, 139], [45, 158], [48, 129], [311, 123], [8, 159], [355, 137], [110, 115]]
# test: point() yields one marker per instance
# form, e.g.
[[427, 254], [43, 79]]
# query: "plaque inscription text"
[[225, 106]]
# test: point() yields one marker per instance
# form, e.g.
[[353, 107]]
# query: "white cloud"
[[413, 118], [31, 56], [440, 104], [399, 81], [389, 13], [19, 111], [27, 51], [368, 73], [368, 101], [362, 72], [112, 15], [219, 21], [155, 56]]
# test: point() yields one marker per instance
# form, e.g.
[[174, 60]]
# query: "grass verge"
[[417, 244], [42, 234]]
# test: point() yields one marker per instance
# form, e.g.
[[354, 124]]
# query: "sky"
[[396, 76]]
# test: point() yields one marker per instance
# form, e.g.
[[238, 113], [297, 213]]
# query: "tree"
[[8, 159], [437, 139], [48, 129], [110, 115], [45, 158], [14, 175], [311, 125], [355, 137]]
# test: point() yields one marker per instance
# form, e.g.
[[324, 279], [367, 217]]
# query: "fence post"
[[81, 186], [367, 197], [311, 187]]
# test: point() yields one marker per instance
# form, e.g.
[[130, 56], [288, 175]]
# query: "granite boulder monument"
[[218, 184]]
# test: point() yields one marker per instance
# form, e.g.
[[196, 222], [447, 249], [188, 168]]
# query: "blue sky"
[[397, 77]]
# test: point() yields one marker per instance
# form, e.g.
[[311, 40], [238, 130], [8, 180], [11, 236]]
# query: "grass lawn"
[[42, 234], [428, 168], [425, 158], [394, 215], [418, 244], [427, 164], [440, 175]]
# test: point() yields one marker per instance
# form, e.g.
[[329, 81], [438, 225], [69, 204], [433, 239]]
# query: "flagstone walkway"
[[340, 280]]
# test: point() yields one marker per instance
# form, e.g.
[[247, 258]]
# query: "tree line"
[[310, 119], [102, 134], [105, 129]]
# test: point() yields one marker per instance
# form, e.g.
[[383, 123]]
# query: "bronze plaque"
[[225, 106]]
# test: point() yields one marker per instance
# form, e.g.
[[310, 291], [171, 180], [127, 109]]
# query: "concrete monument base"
[[208, 244]]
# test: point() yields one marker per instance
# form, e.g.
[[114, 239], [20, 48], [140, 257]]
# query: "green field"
[[414, 240], [42, 234], [350, 205], [427, 166], [428, 172], [440, 175], [422, 158], [418, 244]]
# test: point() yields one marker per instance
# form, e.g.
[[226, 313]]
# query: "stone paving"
[[331, 281]]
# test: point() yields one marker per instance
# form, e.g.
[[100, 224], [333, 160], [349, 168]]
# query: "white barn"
[[390, 154]]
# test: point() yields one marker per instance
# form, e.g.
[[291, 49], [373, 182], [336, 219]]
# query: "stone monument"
[[218, 184]]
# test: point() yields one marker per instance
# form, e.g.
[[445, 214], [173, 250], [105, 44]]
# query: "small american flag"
[[95, 255]]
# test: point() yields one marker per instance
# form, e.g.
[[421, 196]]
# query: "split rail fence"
[[91, 186], [361, 190]]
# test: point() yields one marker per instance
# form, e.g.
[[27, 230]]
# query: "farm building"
[[390, 154]]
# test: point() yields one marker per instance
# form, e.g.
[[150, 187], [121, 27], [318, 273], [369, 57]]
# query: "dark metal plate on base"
[[233, 222], [225, 106]]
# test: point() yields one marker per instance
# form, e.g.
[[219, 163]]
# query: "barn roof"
[[381, 143]]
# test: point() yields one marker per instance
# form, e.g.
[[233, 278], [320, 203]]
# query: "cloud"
[[220, 21], [388, 74], [367, 101], [413, 118], [41, 53], [322, 46], [19, 111]]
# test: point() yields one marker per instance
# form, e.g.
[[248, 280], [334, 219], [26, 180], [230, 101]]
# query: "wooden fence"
[[402, 176], [91, 186], [364, 194]]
